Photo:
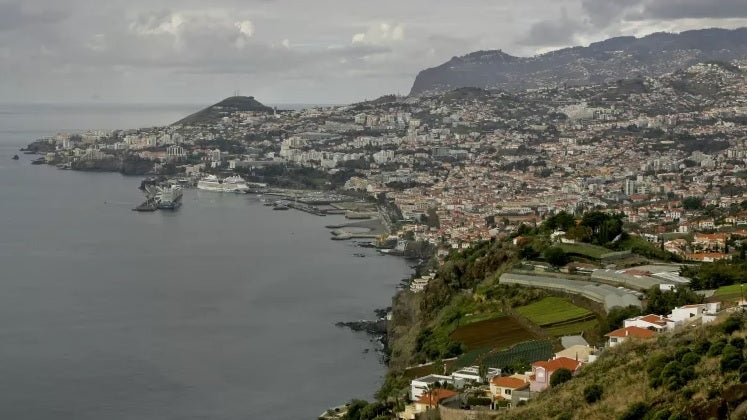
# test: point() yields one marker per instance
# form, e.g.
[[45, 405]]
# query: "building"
[[651, 322], [472, 374], [502, 387], [420, 385], [427, 401], [623, 334], [539, 380]]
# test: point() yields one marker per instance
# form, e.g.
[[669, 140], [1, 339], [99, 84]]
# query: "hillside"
[[697, 372], [214, 113], [600, 62]]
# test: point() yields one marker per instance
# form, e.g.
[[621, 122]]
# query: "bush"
[[737, 342], [716, 348], [662, 414], [556, 256], [593, 393], [560, 376], [635, 412], [733, 323], [690, 359], [701, 346], [732, 358], [478, 401]]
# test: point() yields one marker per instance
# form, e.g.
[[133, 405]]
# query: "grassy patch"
[[586, 250], [552, 310], [730, 290], [492, 333], [573, 328]]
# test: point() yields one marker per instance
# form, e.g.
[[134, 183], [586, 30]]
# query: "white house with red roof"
[[539, 380], [651, 322], [623, 334]]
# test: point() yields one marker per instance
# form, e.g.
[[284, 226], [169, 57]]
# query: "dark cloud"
[[693, 9]]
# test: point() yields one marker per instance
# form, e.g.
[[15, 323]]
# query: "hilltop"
[[214, 113], [601, 62]]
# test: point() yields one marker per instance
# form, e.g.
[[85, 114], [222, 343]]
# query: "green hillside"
[[697, 372]]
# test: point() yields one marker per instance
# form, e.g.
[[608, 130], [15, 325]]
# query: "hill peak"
[[214, 113]]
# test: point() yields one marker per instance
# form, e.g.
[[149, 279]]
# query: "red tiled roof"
[[435, 396], [560, 362], [508, 382], [636, 332]]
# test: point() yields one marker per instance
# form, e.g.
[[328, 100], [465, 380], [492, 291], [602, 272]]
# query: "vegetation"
[[560, 376], [586, 250], [717, 274], [692, 373], [552, 310]]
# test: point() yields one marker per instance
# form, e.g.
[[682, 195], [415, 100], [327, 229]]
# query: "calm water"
[[222, 310]]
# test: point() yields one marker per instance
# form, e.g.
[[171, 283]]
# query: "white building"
[[420, 385]]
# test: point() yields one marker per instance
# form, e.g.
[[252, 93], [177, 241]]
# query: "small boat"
[[40, 161], [15, 157], [280, 207], [64, 166]]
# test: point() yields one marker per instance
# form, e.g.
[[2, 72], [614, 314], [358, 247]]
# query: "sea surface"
[[224, 309]]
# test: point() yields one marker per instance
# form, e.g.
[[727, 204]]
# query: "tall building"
[[629, 188]]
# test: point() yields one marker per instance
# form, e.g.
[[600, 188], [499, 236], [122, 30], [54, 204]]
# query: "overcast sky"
[[294, 51]]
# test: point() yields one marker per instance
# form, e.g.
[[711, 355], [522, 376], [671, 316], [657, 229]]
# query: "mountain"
[[214, 113], [600, 62]]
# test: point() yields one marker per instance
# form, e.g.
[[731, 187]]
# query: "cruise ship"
[[234, 184]]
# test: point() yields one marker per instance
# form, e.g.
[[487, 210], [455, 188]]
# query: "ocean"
[[224, 309]]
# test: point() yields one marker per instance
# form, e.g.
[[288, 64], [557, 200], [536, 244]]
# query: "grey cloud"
[[603, 12], [554, 32], [698, 9], [16, 14]]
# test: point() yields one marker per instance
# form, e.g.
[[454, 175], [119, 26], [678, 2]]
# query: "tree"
[[617, 315], [560, 376], [556, 256], [692, 203]]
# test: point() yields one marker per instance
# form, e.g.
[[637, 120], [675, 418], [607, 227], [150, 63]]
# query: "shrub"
[[701, 346], [737, 342], [662, 414], [732, 358], [635, 411], [733, 323], [716, 348], [560, 376], [556, 256], [690, 359], [593, 393]]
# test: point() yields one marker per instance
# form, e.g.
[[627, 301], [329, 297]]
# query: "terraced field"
[[492, 333], [586, 250], [554, 310]]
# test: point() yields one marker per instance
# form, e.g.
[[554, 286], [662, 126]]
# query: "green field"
[[552, 310], [586, 250], [573, 328], [730, 290]]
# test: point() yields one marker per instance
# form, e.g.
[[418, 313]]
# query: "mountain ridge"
[[599, 62]]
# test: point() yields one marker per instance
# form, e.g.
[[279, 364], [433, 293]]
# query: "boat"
[[234, 184], [15, 157], [148, 205], [281, 205], [64, 166]]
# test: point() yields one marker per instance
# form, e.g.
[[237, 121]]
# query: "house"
[[472, 374], [707, 257], [651, 322], [420, 385], [621, 335], [577, 352], [539, 380], [502, 387], [684, 313], [427, 401]]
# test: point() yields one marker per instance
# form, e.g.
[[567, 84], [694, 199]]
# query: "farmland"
[[553, 310], [573, 328], [730, 290], [492, 333]]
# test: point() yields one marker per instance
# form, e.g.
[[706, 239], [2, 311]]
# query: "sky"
[[294, 51]]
